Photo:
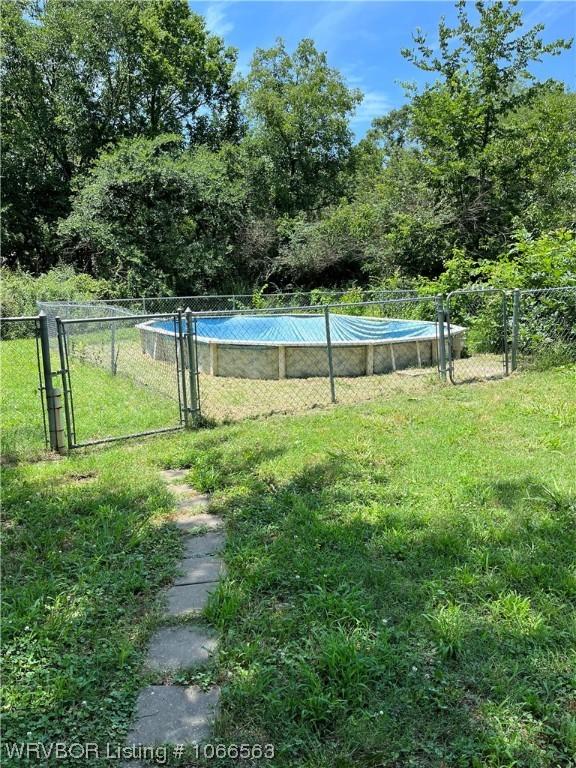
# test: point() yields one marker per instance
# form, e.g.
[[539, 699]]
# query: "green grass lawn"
[[22, 430], [400, 582], [143, 396], [104, 405]]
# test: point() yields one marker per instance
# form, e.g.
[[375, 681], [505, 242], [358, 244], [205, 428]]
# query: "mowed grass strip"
[[85, 552], [400, 580]]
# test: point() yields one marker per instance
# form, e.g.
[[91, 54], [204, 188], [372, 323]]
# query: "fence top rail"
[[116, 319], [330, 305], [79, 305], [318, 291], [127, 316], [548, 290], [245, 295], [309, 307], [233, 312], [469, 291]]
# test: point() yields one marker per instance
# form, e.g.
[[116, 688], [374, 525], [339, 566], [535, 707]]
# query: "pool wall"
[[257, 360]]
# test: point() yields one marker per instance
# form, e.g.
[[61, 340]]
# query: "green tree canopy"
[[79, 74], [128, 141], [299, 110], [483, 79], [156, 217]]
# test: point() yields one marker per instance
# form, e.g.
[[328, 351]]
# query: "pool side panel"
[[247, 362], [305, 362], [274, 361]]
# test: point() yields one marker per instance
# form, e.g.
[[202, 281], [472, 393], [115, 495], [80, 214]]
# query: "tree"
[[394, 225], [483, 79], [299, 109], [78, 75], [156, 217], [35, 171], [539, 147]]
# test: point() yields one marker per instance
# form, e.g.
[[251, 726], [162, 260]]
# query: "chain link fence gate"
[[482, 351], [101, 358]]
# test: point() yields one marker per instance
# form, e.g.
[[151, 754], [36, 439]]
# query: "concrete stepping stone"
[[190, 521], [204, 544], [173, 714], [183, 491], [173, 475], [177, 714], [175, 648], [199, 570], [189, 598], [194, 502]]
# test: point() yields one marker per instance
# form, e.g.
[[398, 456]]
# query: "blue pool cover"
[[302, 329]]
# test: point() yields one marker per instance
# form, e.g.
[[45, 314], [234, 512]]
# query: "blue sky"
[[363, 38]]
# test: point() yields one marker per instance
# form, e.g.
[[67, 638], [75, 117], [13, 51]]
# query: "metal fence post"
[[48, 384], [192, 365], [516, 296], [181, 349], [113, 349], [330, 359], [440, 319], [505, 329], [64, 372], [60, 439]]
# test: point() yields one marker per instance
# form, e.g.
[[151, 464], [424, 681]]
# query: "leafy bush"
[[546, 261], [156, 216], [19, 292], [548, 320], [548, 317], [553, 355], [351, 297], [548, 328]]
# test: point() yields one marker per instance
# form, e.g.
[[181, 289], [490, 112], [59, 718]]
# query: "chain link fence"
[[242, 375], [124, 369], [544, 334], [83, 310], [223, 302], [484, 352], [408, 362], [112, 388], [22, 415]]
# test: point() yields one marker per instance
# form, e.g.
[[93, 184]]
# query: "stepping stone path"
[[176, 714]]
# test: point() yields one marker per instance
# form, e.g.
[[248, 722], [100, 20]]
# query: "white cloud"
[[334, 26], [374, 104], [548, 11], [216, 20], [330, 22]]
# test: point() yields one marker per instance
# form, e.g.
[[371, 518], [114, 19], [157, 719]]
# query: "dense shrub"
[[161, 219], [19, 292], [535, 262]]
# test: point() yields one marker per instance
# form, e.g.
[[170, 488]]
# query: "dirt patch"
[[78, 478]]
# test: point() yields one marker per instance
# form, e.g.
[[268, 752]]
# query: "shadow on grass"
[[361, 630], [83, 559]]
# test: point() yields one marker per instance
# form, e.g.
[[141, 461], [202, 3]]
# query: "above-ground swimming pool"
[[294, 346]]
